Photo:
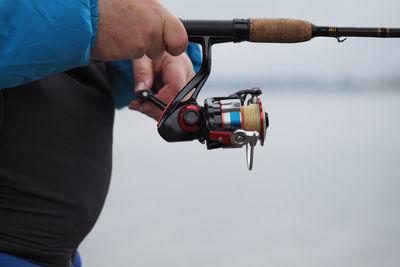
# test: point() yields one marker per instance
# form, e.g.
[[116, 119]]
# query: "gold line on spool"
[[251, 118]]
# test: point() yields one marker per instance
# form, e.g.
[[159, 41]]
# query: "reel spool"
[[236, 121]]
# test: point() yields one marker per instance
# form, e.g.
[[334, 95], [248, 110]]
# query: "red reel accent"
[[221, 137], [170, 102], [182, 123], [262, 118]]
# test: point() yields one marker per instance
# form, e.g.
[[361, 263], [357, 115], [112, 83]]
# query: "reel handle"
[[147, 95]]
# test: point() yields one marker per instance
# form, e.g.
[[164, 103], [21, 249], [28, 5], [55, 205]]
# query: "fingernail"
[[139, 87]]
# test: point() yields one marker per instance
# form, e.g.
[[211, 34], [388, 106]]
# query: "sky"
[[325, 58]]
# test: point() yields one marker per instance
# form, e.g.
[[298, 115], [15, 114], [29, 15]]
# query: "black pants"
[[55, 163]]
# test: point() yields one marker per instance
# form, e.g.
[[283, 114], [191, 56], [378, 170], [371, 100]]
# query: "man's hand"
[[173, 74], [134, 28]]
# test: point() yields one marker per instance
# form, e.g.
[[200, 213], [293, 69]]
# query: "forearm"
[[39, 38]]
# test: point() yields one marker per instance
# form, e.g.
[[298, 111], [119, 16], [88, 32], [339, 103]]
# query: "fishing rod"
[[239, 119], [270, 30]]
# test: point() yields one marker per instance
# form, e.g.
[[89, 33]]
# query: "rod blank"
[[355, 32]]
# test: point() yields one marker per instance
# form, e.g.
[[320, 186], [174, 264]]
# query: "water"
[[324, 191]]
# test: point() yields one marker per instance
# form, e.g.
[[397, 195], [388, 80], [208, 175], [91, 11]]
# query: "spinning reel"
[[222, 122]]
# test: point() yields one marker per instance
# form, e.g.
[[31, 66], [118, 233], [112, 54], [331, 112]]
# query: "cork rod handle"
[[267, 30]]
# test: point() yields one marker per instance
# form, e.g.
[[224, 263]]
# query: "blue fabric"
[[39, 38], [121, 76], [11, 261], [194, 52], [94, 18]]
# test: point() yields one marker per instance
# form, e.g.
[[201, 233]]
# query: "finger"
[[151, 111], [143, 73], [182, 65], [134, 105], [176, 72], [146, 108], [175, 36]]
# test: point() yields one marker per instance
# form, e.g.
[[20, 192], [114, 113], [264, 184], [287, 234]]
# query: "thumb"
[[143, 73], [175, 36]]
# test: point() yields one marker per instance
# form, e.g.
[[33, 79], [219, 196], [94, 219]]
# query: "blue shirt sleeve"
[[39, 38], [121, 76]]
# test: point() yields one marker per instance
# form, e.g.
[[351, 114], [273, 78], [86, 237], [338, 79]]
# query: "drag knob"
[[190, 117]]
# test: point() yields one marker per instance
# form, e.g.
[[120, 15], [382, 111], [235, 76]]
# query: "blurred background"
[[325, 188]]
